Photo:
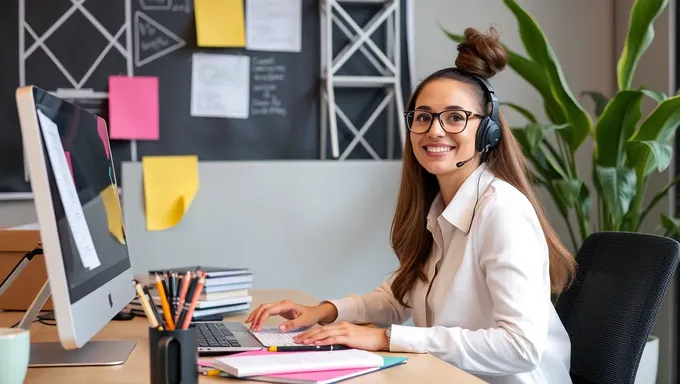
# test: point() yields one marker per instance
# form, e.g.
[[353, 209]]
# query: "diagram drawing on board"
[[166, 5], [152, 40], [73, 83]]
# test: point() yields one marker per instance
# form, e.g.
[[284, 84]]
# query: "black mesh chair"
[[610, 308]]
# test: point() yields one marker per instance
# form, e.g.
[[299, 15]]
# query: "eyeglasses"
[[452, 121]]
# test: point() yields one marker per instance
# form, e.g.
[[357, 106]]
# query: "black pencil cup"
[[173, 356]]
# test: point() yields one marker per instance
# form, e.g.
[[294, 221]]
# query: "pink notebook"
[[318, 377]]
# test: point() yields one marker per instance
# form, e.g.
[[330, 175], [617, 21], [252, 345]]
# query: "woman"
[[478, 259]]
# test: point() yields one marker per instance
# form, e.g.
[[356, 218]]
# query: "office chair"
[[610, 308]]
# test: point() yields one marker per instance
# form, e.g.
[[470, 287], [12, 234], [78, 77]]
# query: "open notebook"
[[315, 369]]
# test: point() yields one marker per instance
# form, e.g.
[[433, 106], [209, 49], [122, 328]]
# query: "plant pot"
[[649, 363]]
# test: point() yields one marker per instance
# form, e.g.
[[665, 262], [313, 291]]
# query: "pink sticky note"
[[68, 160], [133, 107], [101, 129]]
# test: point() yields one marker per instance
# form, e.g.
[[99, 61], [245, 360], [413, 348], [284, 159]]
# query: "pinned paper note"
[[133, 107], [69, 195], [114, 216], [220, 23], [220, 85], [170, 185], [68, 160], [274, 25], [103, 135]]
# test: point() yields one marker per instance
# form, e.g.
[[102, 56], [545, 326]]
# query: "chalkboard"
[[158, 38]]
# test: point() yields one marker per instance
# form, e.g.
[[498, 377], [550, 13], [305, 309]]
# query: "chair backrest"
[[610, 308]]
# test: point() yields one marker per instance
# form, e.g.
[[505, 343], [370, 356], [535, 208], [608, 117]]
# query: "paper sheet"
[[133, 107], [114, 216], [220, 23], [170, 185], [220, 85], [103, 135], [274, 25], [69, 195]]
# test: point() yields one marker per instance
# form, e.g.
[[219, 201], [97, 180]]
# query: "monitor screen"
[[84, 193]]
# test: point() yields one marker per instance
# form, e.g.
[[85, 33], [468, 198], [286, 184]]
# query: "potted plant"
[[628, 147]]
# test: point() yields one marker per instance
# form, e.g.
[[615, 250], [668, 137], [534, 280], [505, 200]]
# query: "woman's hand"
[[348, 334], [298, 315]]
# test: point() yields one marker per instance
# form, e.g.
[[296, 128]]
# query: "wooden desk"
[[136, 369]]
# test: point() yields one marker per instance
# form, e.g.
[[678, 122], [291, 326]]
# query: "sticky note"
[[220, 23], [170, 185], [133, 107], [103, 135], [114, 215], [68, 161]]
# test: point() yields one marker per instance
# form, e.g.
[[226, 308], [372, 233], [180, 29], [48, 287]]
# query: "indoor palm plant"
[[628, 147]]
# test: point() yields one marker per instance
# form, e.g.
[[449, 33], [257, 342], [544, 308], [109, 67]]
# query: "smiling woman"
[[477, 258]]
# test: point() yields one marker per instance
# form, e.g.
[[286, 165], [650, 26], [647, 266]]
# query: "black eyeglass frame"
[[468, 115]]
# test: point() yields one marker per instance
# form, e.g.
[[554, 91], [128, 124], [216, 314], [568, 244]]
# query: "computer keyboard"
[[215, 335], [272, 336]]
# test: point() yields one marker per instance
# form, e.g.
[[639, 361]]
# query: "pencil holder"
[[173, 356]]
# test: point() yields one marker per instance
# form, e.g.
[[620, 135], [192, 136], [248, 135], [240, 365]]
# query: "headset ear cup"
[[480, 139], [492, 135]]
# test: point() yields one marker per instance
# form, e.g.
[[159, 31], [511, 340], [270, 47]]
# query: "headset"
[[489, 131]]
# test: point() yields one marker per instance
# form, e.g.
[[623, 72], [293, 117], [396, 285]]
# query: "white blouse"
[[488, 311]]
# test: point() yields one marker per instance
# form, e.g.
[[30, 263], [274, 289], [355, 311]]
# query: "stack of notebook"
[[226, 291]]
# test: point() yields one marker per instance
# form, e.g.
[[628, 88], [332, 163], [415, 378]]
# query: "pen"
[[146, 307], [164, 304], [303, 348], [171, 294]]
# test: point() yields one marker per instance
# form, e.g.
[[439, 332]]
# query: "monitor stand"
[[53, 354]]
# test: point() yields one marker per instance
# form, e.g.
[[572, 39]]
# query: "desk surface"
[[136, 368]]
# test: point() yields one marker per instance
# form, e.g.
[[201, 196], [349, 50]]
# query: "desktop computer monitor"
[[81, 227]]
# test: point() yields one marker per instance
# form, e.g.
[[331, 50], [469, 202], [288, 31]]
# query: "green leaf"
[[660, 125], [541, 52], [586, 204], [640, 36], [639, 156], [617, 189], [568, 191], [654, 95], [544, 165], [536, 132], [615, 126], [599, 99], [671, 225], [523, 111]]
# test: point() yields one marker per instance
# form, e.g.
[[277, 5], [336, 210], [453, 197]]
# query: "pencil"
[[186, 280], [194, 299], [187, 303], [164, 304], [146, 307], [152, 304]]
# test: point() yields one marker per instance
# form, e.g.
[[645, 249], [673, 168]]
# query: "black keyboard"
[[215, 335]]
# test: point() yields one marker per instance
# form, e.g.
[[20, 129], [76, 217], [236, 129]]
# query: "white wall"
[[16, 212]]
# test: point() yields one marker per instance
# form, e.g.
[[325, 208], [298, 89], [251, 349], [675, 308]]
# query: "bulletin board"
[[75, 45]]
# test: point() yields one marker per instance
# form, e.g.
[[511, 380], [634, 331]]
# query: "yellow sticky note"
[[220, 23], [170, 185], [113, 212]]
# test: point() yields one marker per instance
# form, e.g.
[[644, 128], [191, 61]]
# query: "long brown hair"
[[485, 56]]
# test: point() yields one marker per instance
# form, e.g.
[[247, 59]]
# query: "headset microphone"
[[461, 163]]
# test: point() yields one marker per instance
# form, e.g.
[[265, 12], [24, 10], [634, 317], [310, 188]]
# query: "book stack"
[[226, 291]]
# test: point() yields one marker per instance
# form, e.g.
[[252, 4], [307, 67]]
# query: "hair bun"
[[481, 54]]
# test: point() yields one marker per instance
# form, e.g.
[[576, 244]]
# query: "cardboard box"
[[14, 244]]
